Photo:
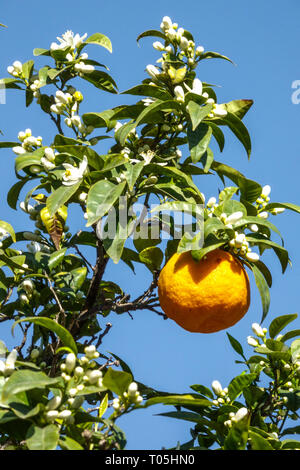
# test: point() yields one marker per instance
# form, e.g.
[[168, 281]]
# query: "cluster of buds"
[[16, 69], [221, 393], [26, 290], [241, 247], [29, 143], [48, 159], [64, 102], [262, 202], [177, 37], [131, 397], [35, 88], [259, 333], [7, 366], [76, 377], [237, 417], [81, 67]]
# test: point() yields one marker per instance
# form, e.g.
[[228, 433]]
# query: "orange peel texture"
[[204, 296]]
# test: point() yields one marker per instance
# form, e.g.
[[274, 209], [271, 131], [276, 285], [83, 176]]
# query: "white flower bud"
[[217, 387], [158, 46], [70, 362], [94, 376], [49, 154], [266, 190], [251, 256], [65, 414], [53, 403], [51, 416], [252, 341], [233, 218], [179, 93], [257, 330], [240, 414], [263, 215], [132, 389], [152, 71], [89, 351]]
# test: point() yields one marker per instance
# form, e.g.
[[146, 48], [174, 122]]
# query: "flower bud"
[[132, 389], [70, 362], [179, 93], [217, 387], [257, 330], [51, 416], [252, 341], [240, 414], [90, 351], [53, 403], [152, 71], [65, 414]]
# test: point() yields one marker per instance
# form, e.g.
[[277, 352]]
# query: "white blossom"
[[73, 174], [152, 71], [257, 330], [179, 93], [68, 40]]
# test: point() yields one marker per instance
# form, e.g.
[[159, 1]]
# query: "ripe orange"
[[207, 295]]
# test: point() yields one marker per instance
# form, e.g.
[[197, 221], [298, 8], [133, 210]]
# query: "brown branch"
[[108, 327]]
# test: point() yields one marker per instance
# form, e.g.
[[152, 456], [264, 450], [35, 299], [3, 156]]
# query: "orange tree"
[[58, 390]]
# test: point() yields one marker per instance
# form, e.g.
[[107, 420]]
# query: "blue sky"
[[262, 38]]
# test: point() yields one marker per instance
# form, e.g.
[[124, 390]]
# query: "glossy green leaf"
[[280, 323], [99, 39], [152, 257], [263, 290], [24, 380], [117, 381], [56, 258], [8, 228], [64, 335], [42, 438], [60, 196], [198, 113], [198, 140], [101, 198], [179, 400], [238, 384], [236, 345]]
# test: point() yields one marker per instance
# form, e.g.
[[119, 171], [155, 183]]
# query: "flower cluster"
[[176, 37], [263, 200], [15, 69], [29, 143], [130, 398], [48, 159], [76, 377], [221, 393], [68, 40]]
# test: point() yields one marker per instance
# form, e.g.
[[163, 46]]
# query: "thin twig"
[[108, 327], [61, 309]]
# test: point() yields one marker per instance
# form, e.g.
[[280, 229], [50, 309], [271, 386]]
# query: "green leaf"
[[64, 335], [56, 258], [250, 190], [14, 192], [290, 444], [101, 80], [99, 39], [239, 129], [279, 323], [24, 380], [258, 442], [117, 381], [184, 416], [8, 228], [238, 384], [101, 197], [67, 443], [42, 438], [152, 257], [132, 173], [178, 400], [27, 159], [199, 254], [38, 51], [60, 196], [149, 90], [98, 119], [238, 107], [114, 246], [151, 33], [236, 345], [218, 135], [158, 105], [198, 113], [263, 290], [103, 406], [198, 140], [283, 205], [214, 55]]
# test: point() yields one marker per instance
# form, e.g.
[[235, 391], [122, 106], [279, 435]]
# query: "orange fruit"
[[207, 295]]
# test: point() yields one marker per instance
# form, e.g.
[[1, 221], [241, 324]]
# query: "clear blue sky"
[[262, 38]]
